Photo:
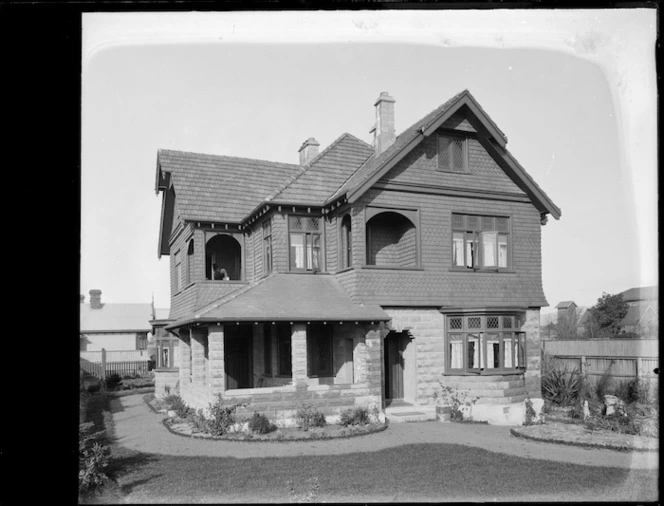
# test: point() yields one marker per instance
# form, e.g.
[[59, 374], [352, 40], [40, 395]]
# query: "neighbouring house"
[[643, 313], [121, 329], [364, 274], [566, 308]]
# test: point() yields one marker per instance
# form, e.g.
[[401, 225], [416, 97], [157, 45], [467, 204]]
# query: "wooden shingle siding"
[[420, 166], [437, 284], [332, 243], [280, 241], [458, 121]]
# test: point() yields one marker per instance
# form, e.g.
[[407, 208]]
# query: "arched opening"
[[190, 262], [346, 243], [391, 241], [225, 253]]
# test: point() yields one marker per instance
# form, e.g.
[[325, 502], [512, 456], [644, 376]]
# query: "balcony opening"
[[391, 241], [223, 258]]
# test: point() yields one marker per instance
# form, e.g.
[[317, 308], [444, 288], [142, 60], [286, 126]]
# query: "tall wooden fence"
[[622, 359], [104, 368]]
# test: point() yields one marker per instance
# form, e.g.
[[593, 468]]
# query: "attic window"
[[452, 153]]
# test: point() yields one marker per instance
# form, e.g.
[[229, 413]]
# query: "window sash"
[[305, 251], [476, 244], [485, 351]]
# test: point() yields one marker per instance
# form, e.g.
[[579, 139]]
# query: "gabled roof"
[[636, 313], [640, 293], [115, 318], [325, 172], [311, 297], [489, 135], [220, 188], [565, 304]]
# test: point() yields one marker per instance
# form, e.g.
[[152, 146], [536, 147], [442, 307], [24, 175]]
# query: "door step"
[[401, 414]]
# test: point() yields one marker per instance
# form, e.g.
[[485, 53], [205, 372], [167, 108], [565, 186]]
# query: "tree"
[[606, 315], [566, 327]]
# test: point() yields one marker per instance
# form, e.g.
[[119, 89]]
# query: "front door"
[[238, 357], [395, 345]]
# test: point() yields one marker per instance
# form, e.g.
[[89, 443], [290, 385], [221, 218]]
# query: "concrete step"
[[401, 414]]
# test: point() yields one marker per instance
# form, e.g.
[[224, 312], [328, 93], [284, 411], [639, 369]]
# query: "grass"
[[418, 472]]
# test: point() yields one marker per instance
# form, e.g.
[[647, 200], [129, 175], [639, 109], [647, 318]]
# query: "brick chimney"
[[95, 299], [383, 130], [308, 150]]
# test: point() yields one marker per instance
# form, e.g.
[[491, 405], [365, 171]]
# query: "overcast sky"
[[574, 91]]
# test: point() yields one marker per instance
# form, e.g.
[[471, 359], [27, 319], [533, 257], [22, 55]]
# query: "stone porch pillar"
[[533, 374], [198, 356], [299, 354], [216, 357], [374, 362], [185, 357]]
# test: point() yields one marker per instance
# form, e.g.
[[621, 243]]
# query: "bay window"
[[304, 243], [480, 242], [484, 344]]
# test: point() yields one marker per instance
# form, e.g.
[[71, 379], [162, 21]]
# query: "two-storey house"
[[365, 274]]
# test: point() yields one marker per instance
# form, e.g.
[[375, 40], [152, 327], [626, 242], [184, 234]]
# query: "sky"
[[573, 90]]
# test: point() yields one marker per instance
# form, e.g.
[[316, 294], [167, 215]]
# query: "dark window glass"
[[284, 350], [319, 347]]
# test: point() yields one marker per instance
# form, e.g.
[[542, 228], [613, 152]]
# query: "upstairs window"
[[452, 153], [304, 243], [178, 272], [346, 243], [480, 242], [485, 343], [267, 247]]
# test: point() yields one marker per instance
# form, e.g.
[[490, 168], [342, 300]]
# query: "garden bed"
[[238, 432], [182, 427]]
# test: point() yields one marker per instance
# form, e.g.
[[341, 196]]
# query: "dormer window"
[[304, 243], [452, 153]]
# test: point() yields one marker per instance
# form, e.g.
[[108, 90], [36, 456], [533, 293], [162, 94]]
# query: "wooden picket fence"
[[127, 367]]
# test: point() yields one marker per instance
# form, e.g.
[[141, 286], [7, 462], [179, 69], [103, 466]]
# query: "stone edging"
[[132, 391], [258, 440], [603, 446]]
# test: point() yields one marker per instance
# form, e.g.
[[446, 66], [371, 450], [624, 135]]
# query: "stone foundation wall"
[[166, 380]]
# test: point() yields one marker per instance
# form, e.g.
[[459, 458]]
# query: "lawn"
[[418, 472]]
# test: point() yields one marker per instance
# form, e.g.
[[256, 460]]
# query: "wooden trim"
[[453, 192]]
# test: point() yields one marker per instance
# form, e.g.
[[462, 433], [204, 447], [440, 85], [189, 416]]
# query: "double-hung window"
[[480, 242], [305, 243], [485, 344], [267, 247]]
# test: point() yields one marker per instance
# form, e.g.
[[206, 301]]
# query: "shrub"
[[355, 416], [615, 423], [454, 398], [94, 387], [561, 386], [92, 459], [113, 380], [221, 417], [198, 419], [531, 414], [605, 384], [308, 416], [260, 424], [176, 403]]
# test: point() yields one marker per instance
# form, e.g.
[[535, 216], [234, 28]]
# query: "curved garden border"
[[257, 439], [621, 447]]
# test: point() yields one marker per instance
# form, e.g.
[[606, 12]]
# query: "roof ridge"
[[314, 161], [226, 157]]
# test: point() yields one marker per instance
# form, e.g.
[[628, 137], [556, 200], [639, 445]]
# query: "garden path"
[[138, 428]]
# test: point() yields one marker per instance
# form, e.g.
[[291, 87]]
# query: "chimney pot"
[[383, 130], [308, 150], [95, 299]]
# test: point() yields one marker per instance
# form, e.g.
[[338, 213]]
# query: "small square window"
[[452, 154]]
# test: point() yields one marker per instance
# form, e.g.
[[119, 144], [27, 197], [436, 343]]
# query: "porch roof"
[[287, 297]]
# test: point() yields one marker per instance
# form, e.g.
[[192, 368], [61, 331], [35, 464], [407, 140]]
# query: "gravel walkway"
[[137, 427]]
